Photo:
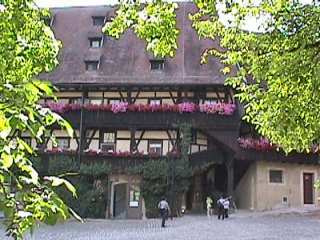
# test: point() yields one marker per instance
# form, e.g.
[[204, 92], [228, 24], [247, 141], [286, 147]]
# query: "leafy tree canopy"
[[278, 70], [27, 48]]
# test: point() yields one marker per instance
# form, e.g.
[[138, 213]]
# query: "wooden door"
[[308, 188], [120, 201]]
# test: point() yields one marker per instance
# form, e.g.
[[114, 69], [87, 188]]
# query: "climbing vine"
[[90, 179], [170, 178]]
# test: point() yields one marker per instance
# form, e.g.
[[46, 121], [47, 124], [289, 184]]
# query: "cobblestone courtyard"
[[286, 227]]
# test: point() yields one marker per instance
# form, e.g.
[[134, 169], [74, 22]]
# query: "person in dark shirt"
[[164, 210], [220, 208]]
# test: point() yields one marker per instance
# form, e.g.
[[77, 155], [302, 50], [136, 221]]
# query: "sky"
[[251, 23], [69, 3]]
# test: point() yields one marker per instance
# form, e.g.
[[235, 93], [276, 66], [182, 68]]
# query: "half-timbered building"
[[126, 106]]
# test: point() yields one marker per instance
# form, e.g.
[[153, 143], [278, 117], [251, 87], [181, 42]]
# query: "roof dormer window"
[[92, 65], [96, 42], [98, 20], [157, 64]]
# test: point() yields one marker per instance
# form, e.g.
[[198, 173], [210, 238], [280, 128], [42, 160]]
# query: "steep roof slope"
[[125, 61]]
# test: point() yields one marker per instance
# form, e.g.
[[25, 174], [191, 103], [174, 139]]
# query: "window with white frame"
[[275, 176], [98, 20], [95, 42], [63, 142], [154, 101], [92, 65], [108, 141], [210, 101], [155, 147], [156, 64], [75, 100], [114, 101]]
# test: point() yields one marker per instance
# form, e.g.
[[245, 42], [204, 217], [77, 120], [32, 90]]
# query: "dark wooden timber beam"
[[133, 145], [172, 98], [129, 96], [82, 126], [230, 170], [140, 138], [89, 140], [121, 96], [135, 98], [172, 141], [218, 96], [76, 138]]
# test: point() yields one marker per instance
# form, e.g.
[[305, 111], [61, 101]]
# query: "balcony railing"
[[120, 162], [213, 115]]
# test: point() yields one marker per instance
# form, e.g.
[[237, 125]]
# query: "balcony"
[[216, 116], [120, 162]]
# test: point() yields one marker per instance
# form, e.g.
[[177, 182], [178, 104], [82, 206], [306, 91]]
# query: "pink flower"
[[119, 107], [187, 107], [260, 144]]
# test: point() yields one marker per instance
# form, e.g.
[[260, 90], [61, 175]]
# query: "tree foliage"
[[277, 77], [27, 48], [155, 22]]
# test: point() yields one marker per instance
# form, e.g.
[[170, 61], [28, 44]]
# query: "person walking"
[[209, 206], [164, 210], [226, 206], [220, 208]]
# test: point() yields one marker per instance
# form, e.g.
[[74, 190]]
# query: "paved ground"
[[237, 227]]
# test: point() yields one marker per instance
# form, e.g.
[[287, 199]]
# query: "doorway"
[[308, 181], [120, 201]]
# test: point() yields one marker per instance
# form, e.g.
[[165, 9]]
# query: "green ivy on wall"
[[90, 180], [170, 178]]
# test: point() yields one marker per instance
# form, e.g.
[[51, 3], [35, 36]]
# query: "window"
[[92, 65], [95, 42], [63, 143], [95, 101], [154, 101], [155, 147], [108, 141], [98, 20], [209, 101], [109, 137], [75, 100], [157, 65], [114, 101], [275, 176]]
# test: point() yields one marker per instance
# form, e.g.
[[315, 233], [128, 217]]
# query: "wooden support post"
[[230, 170], [179, 97], [132, 140], [81, 130], [129, 96], [88, 141]]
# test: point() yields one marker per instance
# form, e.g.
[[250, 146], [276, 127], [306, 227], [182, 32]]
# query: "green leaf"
[[59, 181], [7, 160]]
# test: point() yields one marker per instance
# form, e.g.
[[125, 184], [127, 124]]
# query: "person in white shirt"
[[226, 206], [164, 210]]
